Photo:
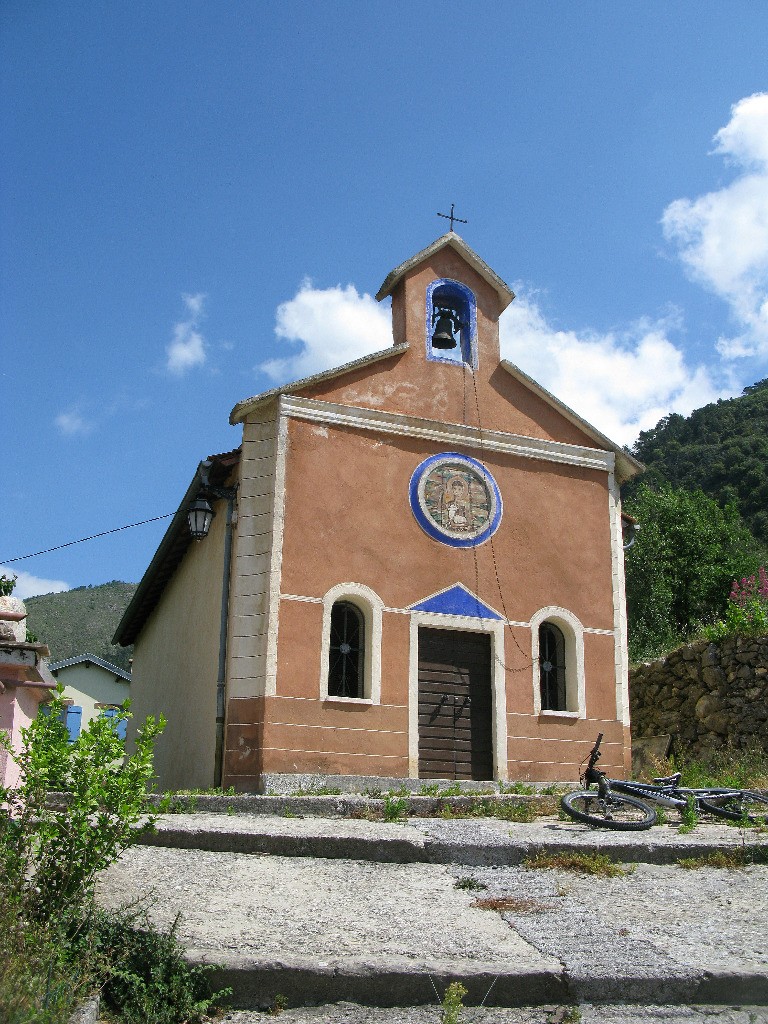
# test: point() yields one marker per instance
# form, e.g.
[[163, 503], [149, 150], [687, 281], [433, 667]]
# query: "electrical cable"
[[529, 662], [82, 540]]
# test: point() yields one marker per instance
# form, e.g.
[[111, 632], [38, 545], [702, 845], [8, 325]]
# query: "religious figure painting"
[[457, 499]]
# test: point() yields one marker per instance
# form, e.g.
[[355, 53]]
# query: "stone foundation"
[[706, 695]]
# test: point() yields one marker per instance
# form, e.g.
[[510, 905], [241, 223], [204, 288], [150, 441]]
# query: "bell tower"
[[446, 304]]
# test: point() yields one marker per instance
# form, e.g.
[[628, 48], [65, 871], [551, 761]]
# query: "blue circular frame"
[[429, 526]]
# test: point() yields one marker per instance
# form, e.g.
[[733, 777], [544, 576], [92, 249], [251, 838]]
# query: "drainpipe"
[[221, 681], [228, 494]]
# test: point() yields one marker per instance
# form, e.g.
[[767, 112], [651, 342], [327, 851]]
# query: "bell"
[[443, 336]]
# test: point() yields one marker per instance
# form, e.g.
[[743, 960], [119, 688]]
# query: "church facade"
[[415, 569]]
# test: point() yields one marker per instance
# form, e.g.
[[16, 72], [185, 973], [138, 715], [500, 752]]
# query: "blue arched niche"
[[460, 299]]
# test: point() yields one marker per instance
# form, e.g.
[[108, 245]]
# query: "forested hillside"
[[82, 621], [721, 449], [703, 513]]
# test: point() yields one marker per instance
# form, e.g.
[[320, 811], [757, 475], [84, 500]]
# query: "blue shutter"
[[73, 720], [120, 724]]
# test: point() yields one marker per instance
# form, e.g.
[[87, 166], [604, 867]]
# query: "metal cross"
[[450, 216]]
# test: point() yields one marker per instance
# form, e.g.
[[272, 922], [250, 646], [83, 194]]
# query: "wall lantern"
[[629, 530], [199, 517]]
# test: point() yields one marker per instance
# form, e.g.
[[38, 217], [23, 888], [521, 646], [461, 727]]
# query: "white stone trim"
[[628, 466], [276, 559], [371, 605], [307, 599], [446, 434], [621, 657], [495, 628], [573, 633], [243, 409]]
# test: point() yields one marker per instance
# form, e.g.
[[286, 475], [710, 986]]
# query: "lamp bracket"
[[218, 492], [207, 489]]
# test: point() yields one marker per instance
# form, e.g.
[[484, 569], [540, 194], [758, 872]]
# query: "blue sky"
[[198, 200]]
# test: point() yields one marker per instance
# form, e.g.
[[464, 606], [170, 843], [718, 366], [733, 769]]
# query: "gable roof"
[[91, 659], [627, 465], [170, 552], [242, 409], [393, 278]]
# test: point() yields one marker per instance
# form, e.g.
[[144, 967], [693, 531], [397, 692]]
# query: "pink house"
[[25, 681]]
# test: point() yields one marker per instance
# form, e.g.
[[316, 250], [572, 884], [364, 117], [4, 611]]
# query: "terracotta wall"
[[553, 545], [552, 548]]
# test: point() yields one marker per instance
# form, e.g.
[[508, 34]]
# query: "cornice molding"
[[446, 434]]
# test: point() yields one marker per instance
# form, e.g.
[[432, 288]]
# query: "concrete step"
[[384, 915], [584, 1013], [470, 841], [318, 931], [349, 1013]]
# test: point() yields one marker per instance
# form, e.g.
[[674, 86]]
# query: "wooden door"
[[455, 734]]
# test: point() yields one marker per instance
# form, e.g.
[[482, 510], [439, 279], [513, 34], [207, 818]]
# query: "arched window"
[[451, 322], [552, 668], [346, 651], [557, 648]]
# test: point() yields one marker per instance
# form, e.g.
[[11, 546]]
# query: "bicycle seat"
[[671, 780]]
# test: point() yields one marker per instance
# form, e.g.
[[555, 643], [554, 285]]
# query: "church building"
[[411, 567]]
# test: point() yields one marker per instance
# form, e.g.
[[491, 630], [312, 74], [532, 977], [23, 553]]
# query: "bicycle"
[[620, 804]]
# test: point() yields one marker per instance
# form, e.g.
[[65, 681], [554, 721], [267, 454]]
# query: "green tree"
[[721, 448], [679, 571]]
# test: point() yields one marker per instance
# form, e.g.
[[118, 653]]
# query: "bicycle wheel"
[[613, 811], [744, 806]]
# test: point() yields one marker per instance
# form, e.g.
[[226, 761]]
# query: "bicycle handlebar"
[[594, 754]]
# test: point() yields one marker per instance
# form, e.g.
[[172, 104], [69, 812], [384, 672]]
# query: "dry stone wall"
[[705, 694]]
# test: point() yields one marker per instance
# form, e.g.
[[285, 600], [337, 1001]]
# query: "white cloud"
[[722, 237], [72, 423], [187, 349], [330, 326], [28, 585], [622, 382]]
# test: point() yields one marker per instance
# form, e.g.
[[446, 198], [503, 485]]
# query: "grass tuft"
[[469, 883], [583, 863], [740, 857], [395, 808]]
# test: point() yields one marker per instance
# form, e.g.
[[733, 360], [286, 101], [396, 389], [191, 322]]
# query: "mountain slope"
[[82, 621], [721, 449]]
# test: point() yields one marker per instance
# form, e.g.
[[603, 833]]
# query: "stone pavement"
[[325, 911], [628, 1013]]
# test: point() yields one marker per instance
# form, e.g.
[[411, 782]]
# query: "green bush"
[[746, 613], [37, 984], [739, 769], [49, 857], [678, 570], [143, 974], [55, 945]]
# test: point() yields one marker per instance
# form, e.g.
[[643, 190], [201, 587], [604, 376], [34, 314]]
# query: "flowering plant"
[[747, 611]]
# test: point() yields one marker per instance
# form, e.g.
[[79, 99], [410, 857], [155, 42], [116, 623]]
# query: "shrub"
[[54, 943], [143, 973], [746, 613], [49, 857]]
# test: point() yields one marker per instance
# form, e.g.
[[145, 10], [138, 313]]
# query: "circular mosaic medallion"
[[455, 500]]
